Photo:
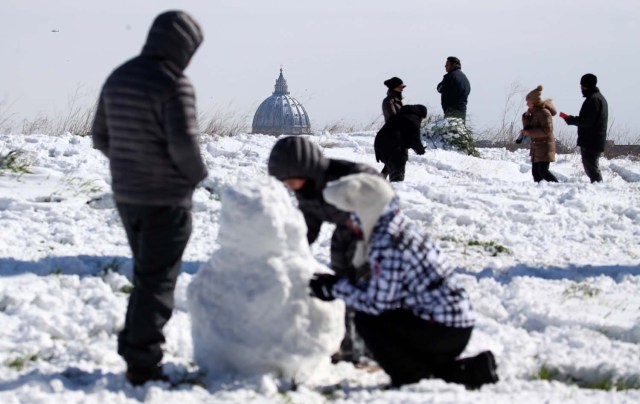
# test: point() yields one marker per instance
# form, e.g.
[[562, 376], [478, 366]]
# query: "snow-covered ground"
[[553, 271]]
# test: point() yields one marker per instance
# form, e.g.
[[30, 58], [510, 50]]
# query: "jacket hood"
[[366, 195], [548, 104], [174, 37]]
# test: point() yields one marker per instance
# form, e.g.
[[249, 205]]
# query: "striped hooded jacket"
[[146, 122]]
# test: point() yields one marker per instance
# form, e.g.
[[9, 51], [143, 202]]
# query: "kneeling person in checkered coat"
[[411, 309]]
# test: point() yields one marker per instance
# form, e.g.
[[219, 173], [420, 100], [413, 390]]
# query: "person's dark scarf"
[[394, 94], [588, 91]]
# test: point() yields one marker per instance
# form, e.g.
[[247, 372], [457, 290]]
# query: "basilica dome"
[[281, 114]]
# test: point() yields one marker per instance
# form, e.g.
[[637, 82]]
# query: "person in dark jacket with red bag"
[[146, 125], [396, 137], [592, 126]]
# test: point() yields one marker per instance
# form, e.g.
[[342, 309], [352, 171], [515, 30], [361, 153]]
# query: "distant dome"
[[281, 114]]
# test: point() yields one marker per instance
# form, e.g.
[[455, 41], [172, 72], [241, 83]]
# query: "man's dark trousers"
[[590, 163], [158, 236]]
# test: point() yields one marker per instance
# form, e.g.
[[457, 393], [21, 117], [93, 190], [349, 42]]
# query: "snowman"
[[250, 308]]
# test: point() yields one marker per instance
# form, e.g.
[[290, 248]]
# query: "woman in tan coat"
[[537, 124]]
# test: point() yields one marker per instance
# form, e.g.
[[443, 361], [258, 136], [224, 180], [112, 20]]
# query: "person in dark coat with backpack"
[[392, 103], [454, 89], [146, 125], [412, 310], [301, 166], [396, 137], [592, 126]]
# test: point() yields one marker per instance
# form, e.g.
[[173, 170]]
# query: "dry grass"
[[344, 126], [76, 119], [224, 121]]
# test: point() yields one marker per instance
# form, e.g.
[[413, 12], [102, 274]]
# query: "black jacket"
[[455, 89], [592, 121], [400, 133], [391, 104], [311, 202], [146, 119]]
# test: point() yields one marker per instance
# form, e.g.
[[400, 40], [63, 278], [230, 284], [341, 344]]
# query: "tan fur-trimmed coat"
[[538, 121]]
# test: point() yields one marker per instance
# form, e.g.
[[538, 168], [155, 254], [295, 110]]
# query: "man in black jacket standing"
[[454, 89], [146, 126], [300, 165], [592, 126]]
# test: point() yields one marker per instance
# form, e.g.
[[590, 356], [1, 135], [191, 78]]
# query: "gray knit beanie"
[[296, 157]]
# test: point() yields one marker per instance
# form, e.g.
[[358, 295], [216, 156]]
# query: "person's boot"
[[480, 369], [139, 375]]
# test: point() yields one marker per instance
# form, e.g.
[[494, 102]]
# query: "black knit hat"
[[296, 157], [589, 80], [393, 82]]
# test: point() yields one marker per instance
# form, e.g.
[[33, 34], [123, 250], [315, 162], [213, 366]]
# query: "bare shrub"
[[6, 117], [509, 126], [77, 119], [622, 135], [38, 124]]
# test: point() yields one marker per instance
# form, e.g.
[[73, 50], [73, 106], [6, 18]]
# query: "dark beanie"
[[589, 80], [296, 157], [393, 82]]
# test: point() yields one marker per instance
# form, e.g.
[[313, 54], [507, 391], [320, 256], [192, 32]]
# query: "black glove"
[[321, 286], [420, 152]]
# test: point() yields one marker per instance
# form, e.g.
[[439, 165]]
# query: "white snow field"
[[553, 271]]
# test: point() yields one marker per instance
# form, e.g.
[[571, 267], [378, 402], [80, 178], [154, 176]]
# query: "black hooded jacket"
[[592, 121], [400, 133], [146, 120]]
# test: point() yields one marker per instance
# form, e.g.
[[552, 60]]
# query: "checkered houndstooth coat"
[[407, 272]]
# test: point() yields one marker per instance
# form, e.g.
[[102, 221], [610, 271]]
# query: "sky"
[[335, 54]]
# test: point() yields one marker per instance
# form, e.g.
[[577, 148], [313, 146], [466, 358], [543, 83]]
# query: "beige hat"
[[535, 96], [366, 195]]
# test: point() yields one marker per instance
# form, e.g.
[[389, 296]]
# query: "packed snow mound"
[[250, 304], [449, 134]]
